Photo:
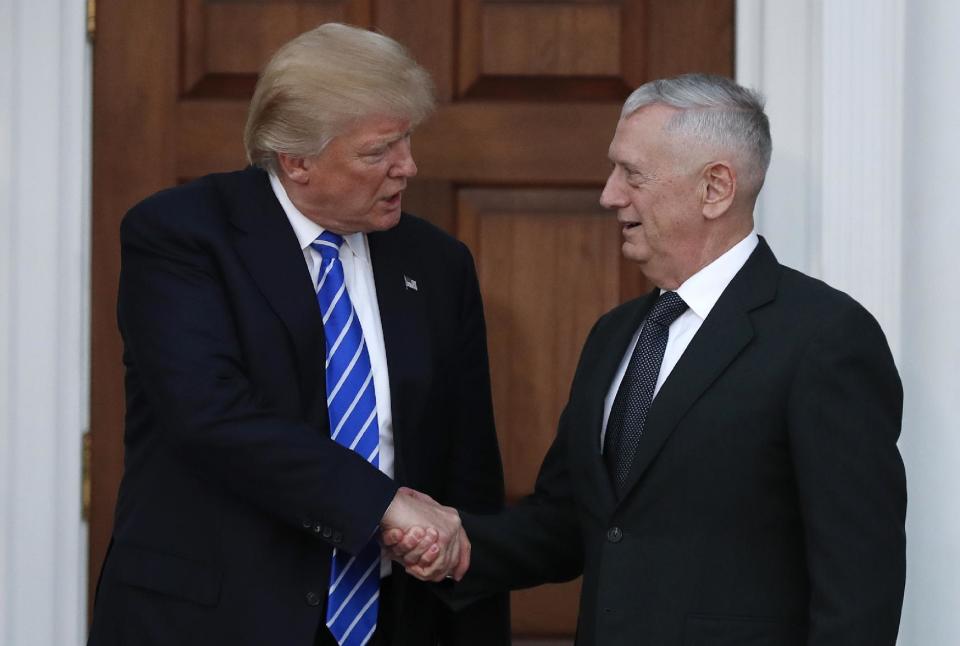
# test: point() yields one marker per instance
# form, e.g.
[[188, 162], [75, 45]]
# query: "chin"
[[634, 254], [388, 220]]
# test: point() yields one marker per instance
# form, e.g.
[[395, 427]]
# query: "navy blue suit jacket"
[[233, 495]]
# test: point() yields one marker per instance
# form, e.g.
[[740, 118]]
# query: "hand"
[[415, 548], [425, 536]]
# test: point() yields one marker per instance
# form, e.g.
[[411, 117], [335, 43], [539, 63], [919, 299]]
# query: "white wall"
[[931, 322], [44, 232], [863, 96]]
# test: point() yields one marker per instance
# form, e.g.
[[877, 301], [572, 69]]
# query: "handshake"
[[425, 537]]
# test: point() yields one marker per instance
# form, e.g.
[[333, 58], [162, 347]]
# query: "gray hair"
[[717, 113], [323, 80]]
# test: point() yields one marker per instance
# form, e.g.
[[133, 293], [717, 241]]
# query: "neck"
[[699, 256]]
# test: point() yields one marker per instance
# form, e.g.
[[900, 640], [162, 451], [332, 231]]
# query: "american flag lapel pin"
[[409, 283]]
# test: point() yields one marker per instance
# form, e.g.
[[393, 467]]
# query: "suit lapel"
[[269, 249], [401, 298], [724, 334], [613, 346]]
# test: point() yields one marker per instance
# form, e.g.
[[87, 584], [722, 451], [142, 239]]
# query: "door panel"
[[512, 163]]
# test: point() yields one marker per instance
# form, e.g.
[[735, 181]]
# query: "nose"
[[404, 166], [613, 195]]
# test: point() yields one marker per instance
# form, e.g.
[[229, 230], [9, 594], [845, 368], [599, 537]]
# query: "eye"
[[374, 155], [636, 177]]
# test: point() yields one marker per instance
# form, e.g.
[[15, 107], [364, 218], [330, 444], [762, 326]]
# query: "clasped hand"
[[426, 537]]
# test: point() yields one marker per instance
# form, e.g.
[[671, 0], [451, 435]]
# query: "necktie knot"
[[667, 309], [328, 244]]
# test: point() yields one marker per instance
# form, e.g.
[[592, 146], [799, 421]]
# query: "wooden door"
[[512, 163]]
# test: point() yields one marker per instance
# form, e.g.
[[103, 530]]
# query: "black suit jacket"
[[233, 495], [766, 501]]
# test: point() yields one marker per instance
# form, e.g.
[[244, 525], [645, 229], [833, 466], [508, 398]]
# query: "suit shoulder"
[[812, 309], [814, 296], [188, 208]]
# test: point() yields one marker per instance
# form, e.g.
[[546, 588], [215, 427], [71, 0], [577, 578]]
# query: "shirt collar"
[[306, 229], [702, 290]]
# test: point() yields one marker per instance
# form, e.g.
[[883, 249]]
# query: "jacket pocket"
[[165, 573], [727, 630]]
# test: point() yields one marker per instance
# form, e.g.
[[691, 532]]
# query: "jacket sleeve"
[[181, 343], [844, 420]]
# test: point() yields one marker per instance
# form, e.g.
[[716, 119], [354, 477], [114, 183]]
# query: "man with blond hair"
[[296, 348]]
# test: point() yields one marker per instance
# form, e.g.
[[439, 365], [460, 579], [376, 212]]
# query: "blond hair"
[[323, 80]]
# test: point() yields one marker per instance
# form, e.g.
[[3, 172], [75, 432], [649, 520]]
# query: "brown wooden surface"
[[512, 162]]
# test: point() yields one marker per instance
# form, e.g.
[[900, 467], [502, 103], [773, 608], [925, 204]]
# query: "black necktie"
[[629, 412]]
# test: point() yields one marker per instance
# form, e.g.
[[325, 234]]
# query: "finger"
[[400, 549], [430, 555], [445, 562], [432, 548], [427, 540], [411, 538], [391, 537]]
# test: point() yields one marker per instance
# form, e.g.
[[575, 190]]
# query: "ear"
[[719, 188], [296, 169]]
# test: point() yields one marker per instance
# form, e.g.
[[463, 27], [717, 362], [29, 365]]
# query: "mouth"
[[630, 225], [392, 201]]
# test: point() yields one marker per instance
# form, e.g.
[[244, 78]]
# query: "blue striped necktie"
[[354, 580]]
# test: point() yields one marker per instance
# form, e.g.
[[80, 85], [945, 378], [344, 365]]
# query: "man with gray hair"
[[726, 470], [297, 348]]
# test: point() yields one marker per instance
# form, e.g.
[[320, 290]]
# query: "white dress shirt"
[[358, 276], [700, 292]]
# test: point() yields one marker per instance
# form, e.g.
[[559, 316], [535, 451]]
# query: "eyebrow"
[[373, 145]]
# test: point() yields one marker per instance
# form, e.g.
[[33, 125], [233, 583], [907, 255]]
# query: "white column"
[[861, 166], [931, 321], [831, 207], [778, 54], [44, 312]]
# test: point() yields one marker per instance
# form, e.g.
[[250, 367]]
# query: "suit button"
[[614, 534], [313, 599], [327, 532], [337, 537]]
